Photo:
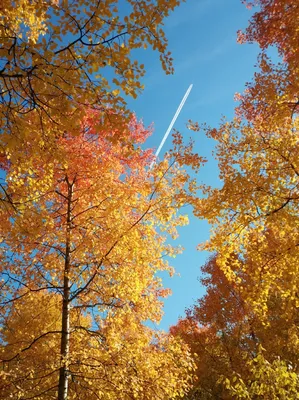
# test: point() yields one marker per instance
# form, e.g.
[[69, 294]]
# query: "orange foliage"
[[88, 226], [56, 56], [236, 352]]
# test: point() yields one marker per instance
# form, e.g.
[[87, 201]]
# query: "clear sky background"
[[202, 37]]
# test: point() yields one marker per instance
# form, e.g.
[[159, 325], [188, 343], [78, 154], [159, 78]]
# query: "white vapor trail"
[[172, 123]]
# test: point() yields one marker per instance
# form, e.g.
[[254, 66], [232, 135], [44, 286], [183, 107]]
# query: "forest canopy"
[[88, 214]]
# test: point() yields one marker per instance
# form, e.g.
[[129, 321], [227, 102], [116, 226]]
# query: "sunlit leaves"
[[96, 215], [245, 329], [255, 212], [238, 355], [59, 56]]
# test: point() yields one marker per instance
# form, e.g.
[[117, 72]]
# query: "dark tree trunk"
[[65, 325]]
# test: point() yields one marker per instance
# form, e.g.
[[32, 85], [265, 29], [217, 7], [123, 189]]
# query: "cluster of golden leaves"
[[238, 354], [122, 360], [56, 56], [255, 223], [96, 203], [258, 161], [84, 220]]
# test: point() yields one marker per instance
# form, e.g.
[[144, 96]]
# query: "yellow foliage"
[[82, 242], [51, 51]]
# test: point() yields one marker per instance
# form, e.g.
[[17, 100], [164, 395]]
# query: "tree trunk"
[[65, 325]]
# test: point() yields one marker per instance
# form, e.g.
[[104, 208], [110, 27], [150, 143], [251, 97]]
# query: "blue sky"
[[202, 39]]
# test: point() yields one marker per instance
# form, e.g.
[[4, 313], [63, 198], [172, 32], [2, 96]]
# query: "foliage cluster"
[[84, 220], [245, 331]]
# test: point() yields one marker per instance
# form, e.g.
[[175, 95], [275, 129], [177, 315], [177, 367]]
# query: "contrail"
[[172, 123]]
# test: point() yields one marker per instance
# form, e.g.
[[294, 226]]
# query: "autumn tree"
[[238, 355], [245, 330], [258, 161], [82, 241], [59, 56], [122, 360], [82, 216], [275, 87]]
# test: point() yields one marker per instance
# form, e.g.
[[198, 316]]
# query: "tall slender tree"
[[86, 229]]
